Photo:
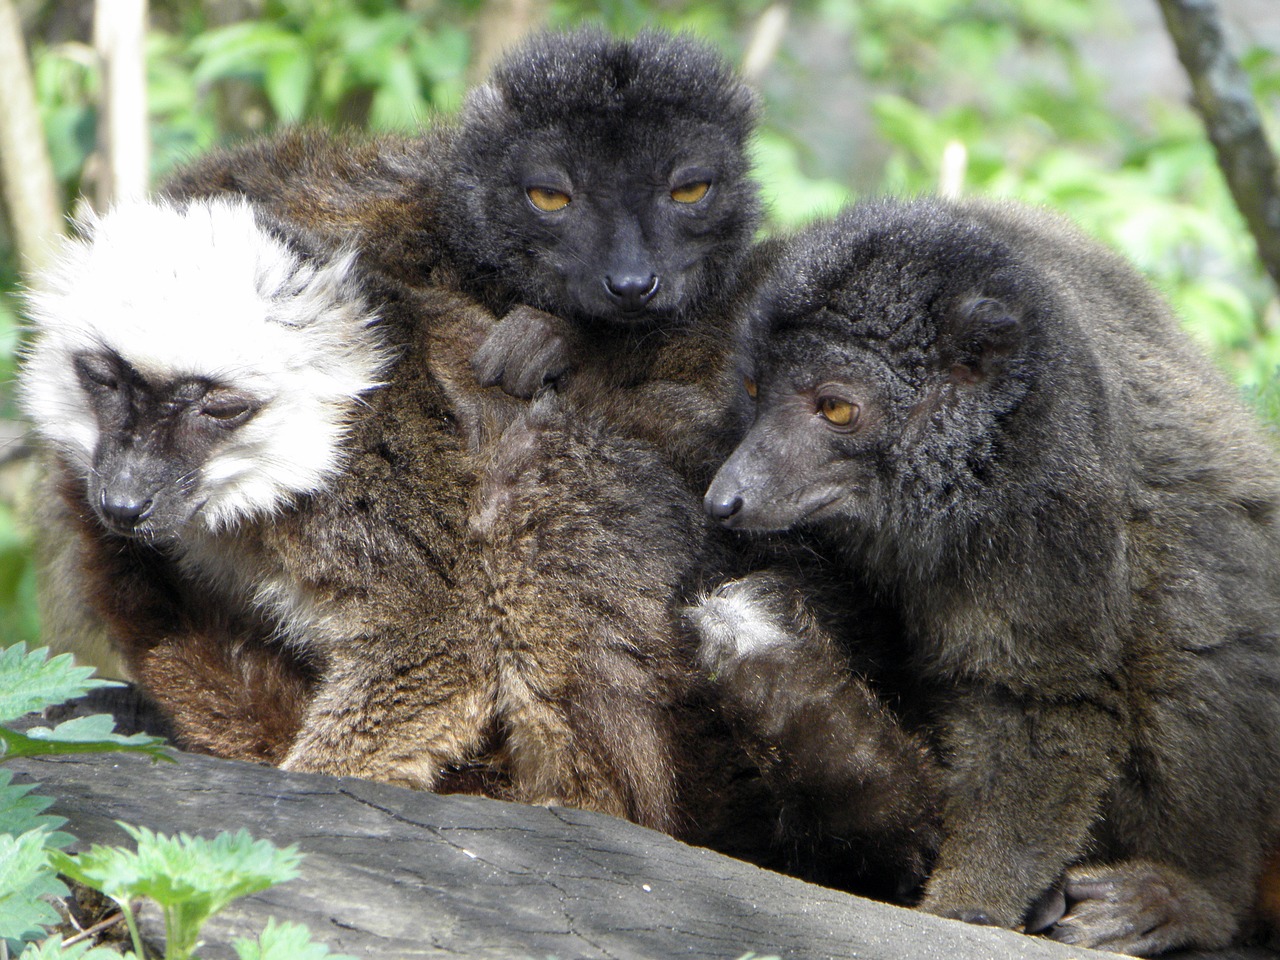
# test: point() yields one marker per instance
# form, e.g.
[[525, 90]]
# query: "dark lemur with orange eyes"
[[593, 185], [594, 194], [1000, 424]]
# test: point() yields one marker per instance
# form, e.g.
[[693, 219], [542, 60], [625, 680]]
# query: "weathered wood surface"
[[397, 874], [394, 874]]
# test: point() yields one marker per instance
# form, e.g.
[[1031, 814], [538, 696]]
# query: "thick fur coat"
[[1001, 426]]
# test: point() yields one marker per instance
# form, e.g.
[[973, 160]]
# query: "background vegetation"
[[1048, 102]]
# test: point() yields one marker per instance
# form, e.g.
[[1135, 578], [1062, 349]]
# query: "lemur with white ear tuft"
[[193, 370]]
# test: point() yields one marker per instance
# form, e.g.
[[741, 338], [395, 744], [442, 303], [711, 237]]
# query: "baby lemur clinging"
[[1002, 426], [602, 182]]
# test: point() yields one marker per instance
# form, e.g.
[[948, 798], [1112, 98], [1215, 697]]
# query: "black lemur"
[[1001, 425], [595, 192]]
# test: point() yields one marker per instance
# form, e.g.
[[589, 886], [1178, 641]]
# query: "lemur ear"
[[484, 101], [983, 332]]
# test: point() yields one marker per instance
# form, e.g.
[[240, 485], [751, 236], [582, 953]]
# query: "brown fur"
[[504, 645], [207, 664], [384, 191], [859, 794], [454, 614]]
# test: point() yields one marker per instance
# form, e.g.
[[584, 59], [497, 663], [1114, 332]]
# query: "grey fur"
[[1076, 518]]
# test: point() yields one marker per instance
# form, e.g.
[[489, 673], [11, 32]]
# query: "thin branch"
[[31, 193], [93, 931], [1225, 102]]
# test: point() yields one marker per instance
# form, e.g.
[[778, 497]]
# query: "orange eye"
[[548, 200], [690, 192], [838, 412], [752, 389]]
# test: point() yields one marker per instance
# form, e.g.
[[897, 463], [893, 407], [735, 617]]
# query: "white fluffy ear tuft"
[[206, 291]]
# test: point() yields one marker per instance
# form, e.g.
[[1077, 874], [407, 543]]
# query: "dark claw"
[[1068, 932], [545, 367]]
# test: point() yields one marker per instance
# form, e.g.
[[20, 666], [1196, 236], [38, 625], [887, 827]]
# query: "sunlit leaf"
[[284, 941], [191, 878], [26, 877], [32, 680], [22, 811], [91, 734]]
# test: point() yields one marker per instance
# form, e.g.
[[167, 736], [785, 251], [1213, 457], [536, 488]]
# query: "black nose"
[[722, 509], [631, 291], [125, 510]]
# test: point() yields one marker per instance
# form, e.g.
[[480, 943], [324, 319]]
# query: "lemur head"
[[607, 180], [192, 364], [887, 365]]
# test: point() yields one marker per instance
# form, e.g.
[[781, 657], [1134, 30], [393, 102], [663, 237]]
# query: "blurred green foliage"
[[1009, 81]]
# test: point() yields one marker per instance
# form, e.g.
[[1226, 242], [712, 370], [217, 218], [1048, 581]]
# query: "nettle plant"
[[188, 878]]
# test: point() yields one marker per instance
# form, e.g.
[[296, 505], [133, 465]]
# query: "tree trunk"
[[1225, 102], [31, 195]]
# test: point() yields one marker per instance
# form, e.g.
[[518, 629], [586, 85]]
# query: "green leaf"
[[25, 877], [79, 736], [112, 870], [191, 878], [288, 81], [284, 941], [22, 811], [52, 949], [239, 50], [230, 865], [33, 680], [95, 730]]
